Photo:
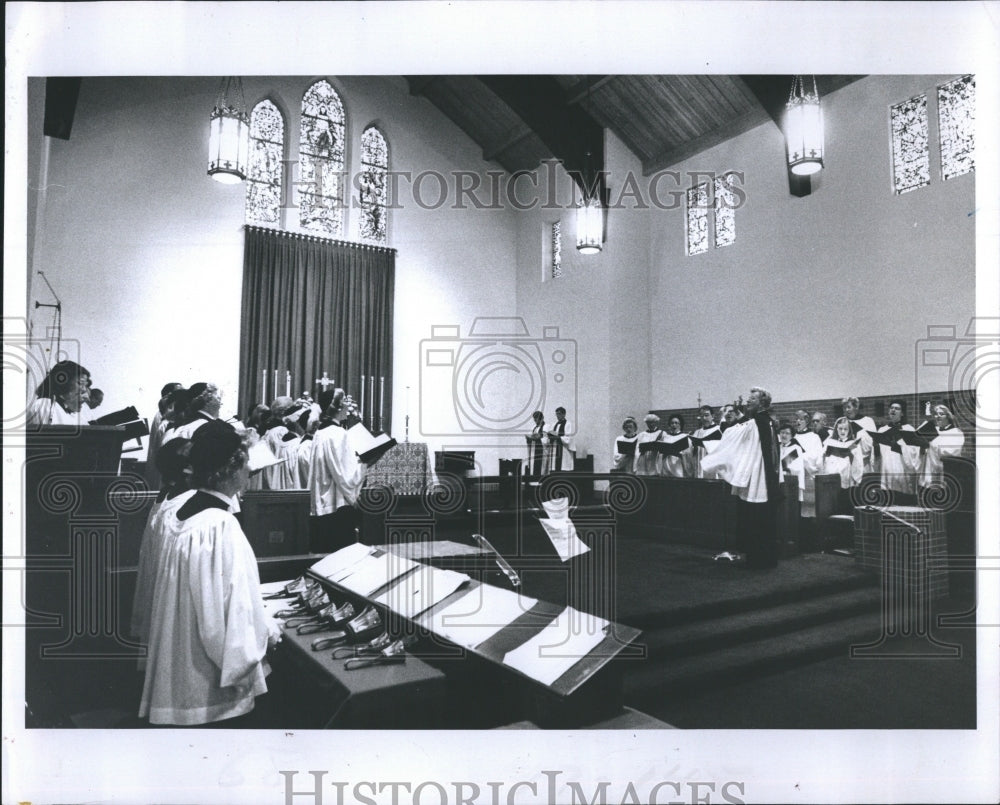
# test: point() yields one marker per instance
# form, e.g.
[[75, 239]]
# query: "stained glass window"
[[556, 250], [321, 160], [697, 219], [911, 166], [372, 186], [725, 210], [264, 173], [957, 126]]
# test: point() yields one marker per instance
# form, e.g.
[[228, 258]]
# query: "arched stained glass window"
[[372, 186], [264, 173], [321, 160]]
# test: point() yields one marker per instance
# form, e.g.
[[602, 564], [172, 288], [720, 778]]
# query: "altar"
[[403, 469]]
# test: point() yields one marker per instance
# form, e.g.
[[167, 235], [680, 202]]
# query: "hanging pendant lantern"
[[804, 129], [589, 226], [229, 134]]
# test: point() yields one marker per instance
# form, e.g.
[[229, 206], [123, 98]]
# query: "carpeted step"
[[650, 681], [758, 623]]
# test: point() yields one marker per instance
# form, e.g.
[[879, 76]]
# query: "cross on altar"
[[324, 381]]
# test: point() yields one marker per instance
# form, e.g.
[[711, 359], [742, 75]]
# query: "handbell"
[[330, 617]]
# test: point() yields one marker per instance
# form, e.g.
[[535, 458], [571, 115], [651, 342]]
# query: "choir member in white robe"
[[677, 459], [205, 404], [812, 464], [842, 456], [623, 451], [283, 438], [336, 476], [536, 446], [729, 416], [562, 449], [257, 422], [818, 426], [861, 426], [791, 456], [748, 459], [60, 397], [209, 632], [949, 441], [157, 427], [706, 439], [899, 461], [172, 461], [650, 461]]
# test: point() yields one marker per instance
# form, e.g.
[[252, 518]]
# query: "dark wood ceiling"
[[518, 121]]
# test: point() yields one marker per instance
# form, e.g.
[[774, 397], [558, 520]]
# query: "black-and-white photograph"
[[501, 403]]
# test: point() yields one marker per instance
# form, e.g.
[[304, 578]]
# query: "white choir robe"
[[209, 631], [286, 474], [335, 473], [256, 482], [622, 462], [563, 459], [792, 465], [865, 447], [303, 458], [699, 452], [899, 470], [850, 468], [738, 460], [46, 411], [680, 465], [948, 442], [187, 430], [812, 464], [648, 463], [150, 548]]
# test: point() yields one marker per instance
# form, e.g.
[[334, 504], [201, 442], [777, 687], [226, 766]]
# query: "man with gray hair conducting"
[[747, 458]]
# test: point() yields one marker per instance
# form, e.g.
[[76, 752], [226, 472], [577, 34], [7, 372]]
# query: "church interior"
[[817, 287]]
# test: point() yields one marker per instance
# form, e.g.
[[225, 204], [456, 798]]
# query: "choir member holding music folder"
[[704, 440], [860, 425], [842, 456], [623, 458], [342, 451], [899, 455], [647, 460], [944, 440], [675, 449]]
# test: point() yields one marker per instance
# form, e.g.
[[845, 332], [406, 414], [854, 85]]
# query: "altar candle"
[[288, 384], [263, 384], [381, 400], [361, 406], [275, 384], [371, 389]]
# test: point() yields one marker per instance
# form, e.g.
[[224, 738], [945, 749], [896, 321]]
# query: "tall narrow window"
[[372, 184], [264, 172], [321, 160], [957, 126], [725, 210], [911, 167], [697, 219], [556, 235]]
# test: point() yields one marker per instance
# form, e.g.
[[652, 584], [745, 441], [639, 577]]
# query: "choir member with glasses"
[[649, 461], [623, 457], [818, 425], [60, 396], [899, 456]]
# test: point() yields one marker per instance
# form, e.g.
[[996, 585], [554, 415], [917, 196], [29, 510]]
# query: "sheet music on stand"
[[333, 564], [559, 646], [418, 591], [478, 615]]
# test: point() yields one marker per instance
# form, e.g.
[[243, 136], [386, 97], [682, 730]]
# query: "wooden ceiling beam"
[[581, 89]]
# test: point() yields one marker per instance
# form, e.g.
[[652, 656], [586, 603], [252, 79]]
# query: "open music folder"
[[368, 447]]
